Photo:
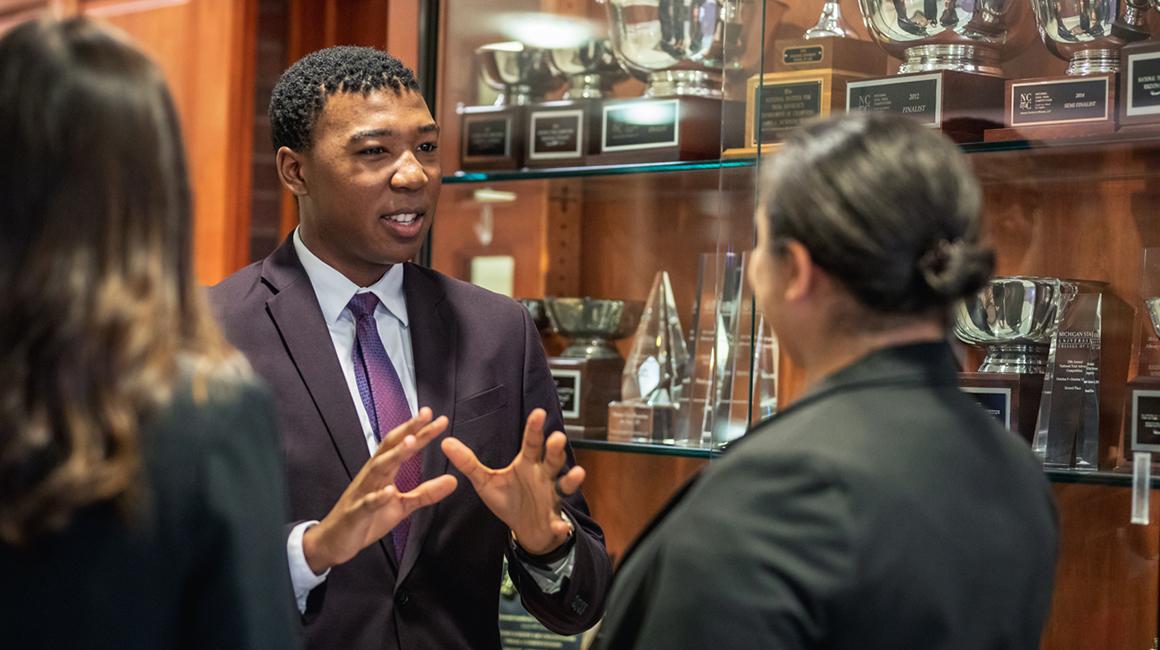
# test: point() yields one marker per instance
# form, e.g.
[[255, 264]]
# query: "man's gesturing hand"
[[524, 494], [371, 505]]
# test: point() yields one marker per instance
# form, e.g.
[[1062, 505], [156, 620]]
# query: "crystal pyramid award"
[[655, 373]]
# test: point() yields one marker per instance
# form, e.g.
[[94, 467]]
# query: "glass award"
[[765, 365], [655, 373], [1067, 431]]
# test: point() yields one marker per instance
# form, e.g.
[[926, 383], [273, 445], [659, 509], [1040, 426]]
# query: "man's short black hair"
[[302, 91]]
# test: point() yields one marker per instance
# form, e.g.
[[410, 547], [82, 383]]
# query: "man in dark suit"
[[883, 509], [353, 340]]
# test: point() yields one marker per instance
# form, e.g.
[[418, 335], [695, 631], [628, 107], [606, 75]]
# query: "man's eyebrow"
[[431, 127], [373, 133]]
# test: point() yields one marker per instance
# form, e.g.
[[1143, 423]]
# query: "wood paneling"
[[1106, 577], [205, 49], [624, 491]]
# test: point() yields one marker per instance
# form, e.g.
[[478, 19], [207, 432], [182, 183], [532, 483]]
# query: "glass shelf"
[[595, 170], [1135, 141], [1116, 479], [648, 448]]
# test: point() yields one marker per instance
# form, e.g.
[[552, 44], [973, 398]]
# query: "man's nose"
[[410, 175]]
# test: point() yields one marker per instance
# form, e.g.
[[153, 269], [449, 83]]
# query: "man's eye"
[[373, 151], [428, 147]]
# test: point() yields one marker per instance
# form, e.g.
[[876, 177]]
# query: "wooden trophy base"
[[1012, 398], [492, 137], [561, 133], [962, 105], [659, 130], [1053, 108], [585, 387], [778, 102], [639, 422]]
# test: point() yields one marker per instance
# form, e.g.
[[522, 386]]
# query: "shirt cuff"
[[550, 577], [301, 576]]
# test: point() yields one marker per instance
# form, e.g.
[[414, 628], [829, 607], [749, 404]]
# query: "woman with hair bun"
[[883, 508]]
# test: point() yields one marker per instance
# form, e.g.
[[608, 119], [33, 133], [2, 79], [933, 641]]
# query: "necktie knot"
[[363, 304]]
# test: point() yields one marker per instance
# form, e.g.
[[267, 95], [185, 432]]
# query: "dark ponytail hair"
[[884, 205]]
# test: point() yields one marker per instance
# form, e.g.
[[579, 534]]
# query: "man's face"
[[370, 181]]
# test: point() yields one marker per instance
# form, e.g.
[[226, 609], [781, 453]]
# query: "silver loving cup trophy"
[[1014, 319], [592, 324], [683, 47], [957, 35], [535, 308], [591, 68], [831, 24], [1088, 34], [520, 73]]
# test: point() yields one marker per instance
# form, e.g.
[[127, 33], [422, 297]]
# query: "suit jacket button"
[[402, 598]]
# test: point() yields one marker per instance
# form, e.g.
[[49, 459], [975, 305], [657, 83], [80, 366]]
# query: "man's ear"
[[290, 170], [800, 273]]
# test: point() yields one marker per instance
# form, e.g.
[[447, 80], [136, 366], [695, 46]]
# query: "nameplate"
[[1066, 101], [557, 134], [803, 55], [647, 124], [996, 401], [783, 106], [1146, 420], [918, 97], [1143, 84], [487, 136], [568, 387]]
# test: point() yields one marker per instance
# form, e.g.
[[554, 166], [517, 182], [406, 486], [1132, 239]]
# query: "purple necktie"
[[382, 395]]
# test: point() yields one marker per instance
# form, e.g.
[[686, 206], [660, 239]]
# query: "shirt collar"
[[334, 290]]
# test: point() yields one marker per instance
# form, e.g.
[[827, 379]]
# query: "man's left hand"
[[525, 495]]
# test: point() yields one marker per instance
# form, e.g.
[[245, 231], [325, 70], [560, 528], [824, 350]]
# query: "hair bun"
[[953, 269]]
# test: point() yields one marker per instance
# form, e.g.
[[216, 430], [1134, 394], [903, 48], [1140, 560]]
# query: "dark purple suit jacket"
[[479, 361]]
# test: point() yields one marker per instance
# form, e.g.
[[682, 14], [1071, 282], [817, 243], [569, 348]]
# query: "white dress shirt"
[[334, 291]]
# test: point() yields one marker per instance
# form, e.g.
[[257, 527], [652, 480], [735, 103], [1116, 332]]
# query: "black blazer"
[[883, 510], [201, 565], [479, 361]]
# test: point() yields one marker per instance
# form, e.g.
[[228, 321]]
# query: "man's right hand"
[[371, 505]]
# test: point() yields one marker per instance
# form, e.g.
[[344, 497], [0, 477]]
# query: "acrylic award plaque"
[[655, 373], [1067, 429], [718, 410]]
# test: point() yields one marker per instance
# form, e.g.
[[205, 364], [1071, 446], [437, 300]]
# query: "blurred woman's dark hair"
[[101, 318], [886, 206]]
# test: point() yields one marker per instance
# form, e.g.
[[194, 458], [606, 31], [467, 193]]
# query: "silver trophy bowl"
[[1014, 319], [958, 35], [684, 47], [520, 73], [591, 69], [539, 315], [591, 324], [1153, 305], [1088, 34]]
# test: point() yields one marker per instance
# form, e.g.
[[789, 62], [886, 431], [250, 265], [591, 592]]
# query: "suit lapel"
[[433, 346], [295, 312]]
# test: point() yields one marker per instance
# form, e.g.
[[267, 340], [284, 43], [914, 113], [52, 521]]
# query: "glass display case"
[[602, 162]]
